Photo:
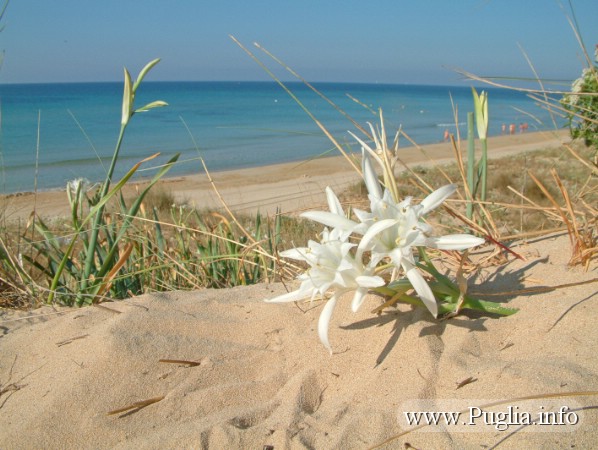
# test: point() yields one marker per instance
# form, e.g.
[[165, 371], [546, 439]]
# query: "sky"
[[385, 41]]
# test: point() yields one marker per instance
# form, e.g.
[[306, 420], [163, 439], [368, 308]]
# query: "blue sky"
[[390, 41]]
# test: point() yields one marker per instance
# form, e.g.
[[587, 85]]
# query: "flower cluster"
[[76, 185], [387, 233]]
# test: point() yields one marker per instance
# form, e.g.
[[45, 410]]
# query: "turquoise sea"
[[234, 124]]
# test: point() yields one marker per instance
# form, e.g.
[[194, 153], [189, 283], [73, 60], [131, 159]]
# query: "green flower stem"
[[470, 163], [95, 229], [480, 103], [107, 265], [92, 213], [447, 307], [484, 168], [445, 291]]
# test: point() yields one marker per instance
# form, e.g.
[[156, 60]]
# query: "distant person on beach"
[[512, 128], [504, 128], [446, 134]]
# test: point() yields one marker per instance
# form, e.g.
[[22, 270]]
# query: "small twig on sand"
[[134, 407]]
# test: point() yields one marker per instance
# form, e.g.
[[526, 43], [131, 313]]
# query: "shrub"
[[582, 105]]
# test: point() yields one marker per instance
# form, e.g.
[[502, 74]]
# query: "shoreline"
[[292, 186]]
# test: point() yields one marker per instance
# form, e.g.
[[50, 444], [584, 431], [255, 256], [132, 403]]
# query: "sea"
[[53, 133]]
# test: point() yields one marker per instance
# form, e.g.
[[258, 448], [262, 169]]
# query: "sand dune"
[[263, 378], [223, 369]]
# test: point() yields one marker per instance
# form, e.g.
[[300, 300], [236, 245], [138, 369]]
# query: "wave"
[[461, 124]]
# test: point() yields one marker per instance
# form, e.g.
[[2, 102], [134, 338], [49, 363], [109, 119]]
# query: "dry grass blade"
[[540, 83], [68, 341], [530, 234], [224, 204], [134, 407], [11, 388], [6, 387], [578, 240], [552, 200], [36, 316], [180, 361], [317, 92], [460, 165], [489, 82], [105, 308], [505, 248], [465, 382], [583, 241], [119, 264], [576, 154], [545, 210], [294, 97], [428, 157]]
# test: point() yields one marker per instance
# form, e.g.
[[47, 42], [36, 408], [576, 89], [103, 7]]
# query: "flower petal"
[[421, 287], [358, 299], [436, 198], [367, 148], [304, 291], [369, 281], [324, 321], [330, 219], [454, 242], [370, 177], [298, 253], [375, 229], [362, 215], [333, 202]]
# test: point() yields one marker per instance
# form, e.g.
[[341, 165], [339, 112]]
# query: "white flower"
[[336, 218], [480, 104], [75, 189], [78, 184], [332, 267], [391, 230], [395, 228]]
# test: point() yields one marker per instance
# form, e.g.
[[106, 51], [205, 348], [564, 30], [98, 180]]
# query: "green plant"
[[17, 287], [136, 252], [477, 181], [582, 105], [342, 262], [369, 253], [480, 103], [82, 278], [224, 252]]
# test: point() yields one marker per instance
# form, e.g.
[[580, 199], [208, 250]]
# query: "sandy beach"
[[256, 375], [292, 186], [223, 369]]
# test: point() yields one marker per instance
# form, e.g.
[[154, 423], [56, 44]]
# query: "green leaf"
[[152, 105], [487, 307], [143, 73], [107, 266], [159, 235], [128, 95], [101, 203]]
